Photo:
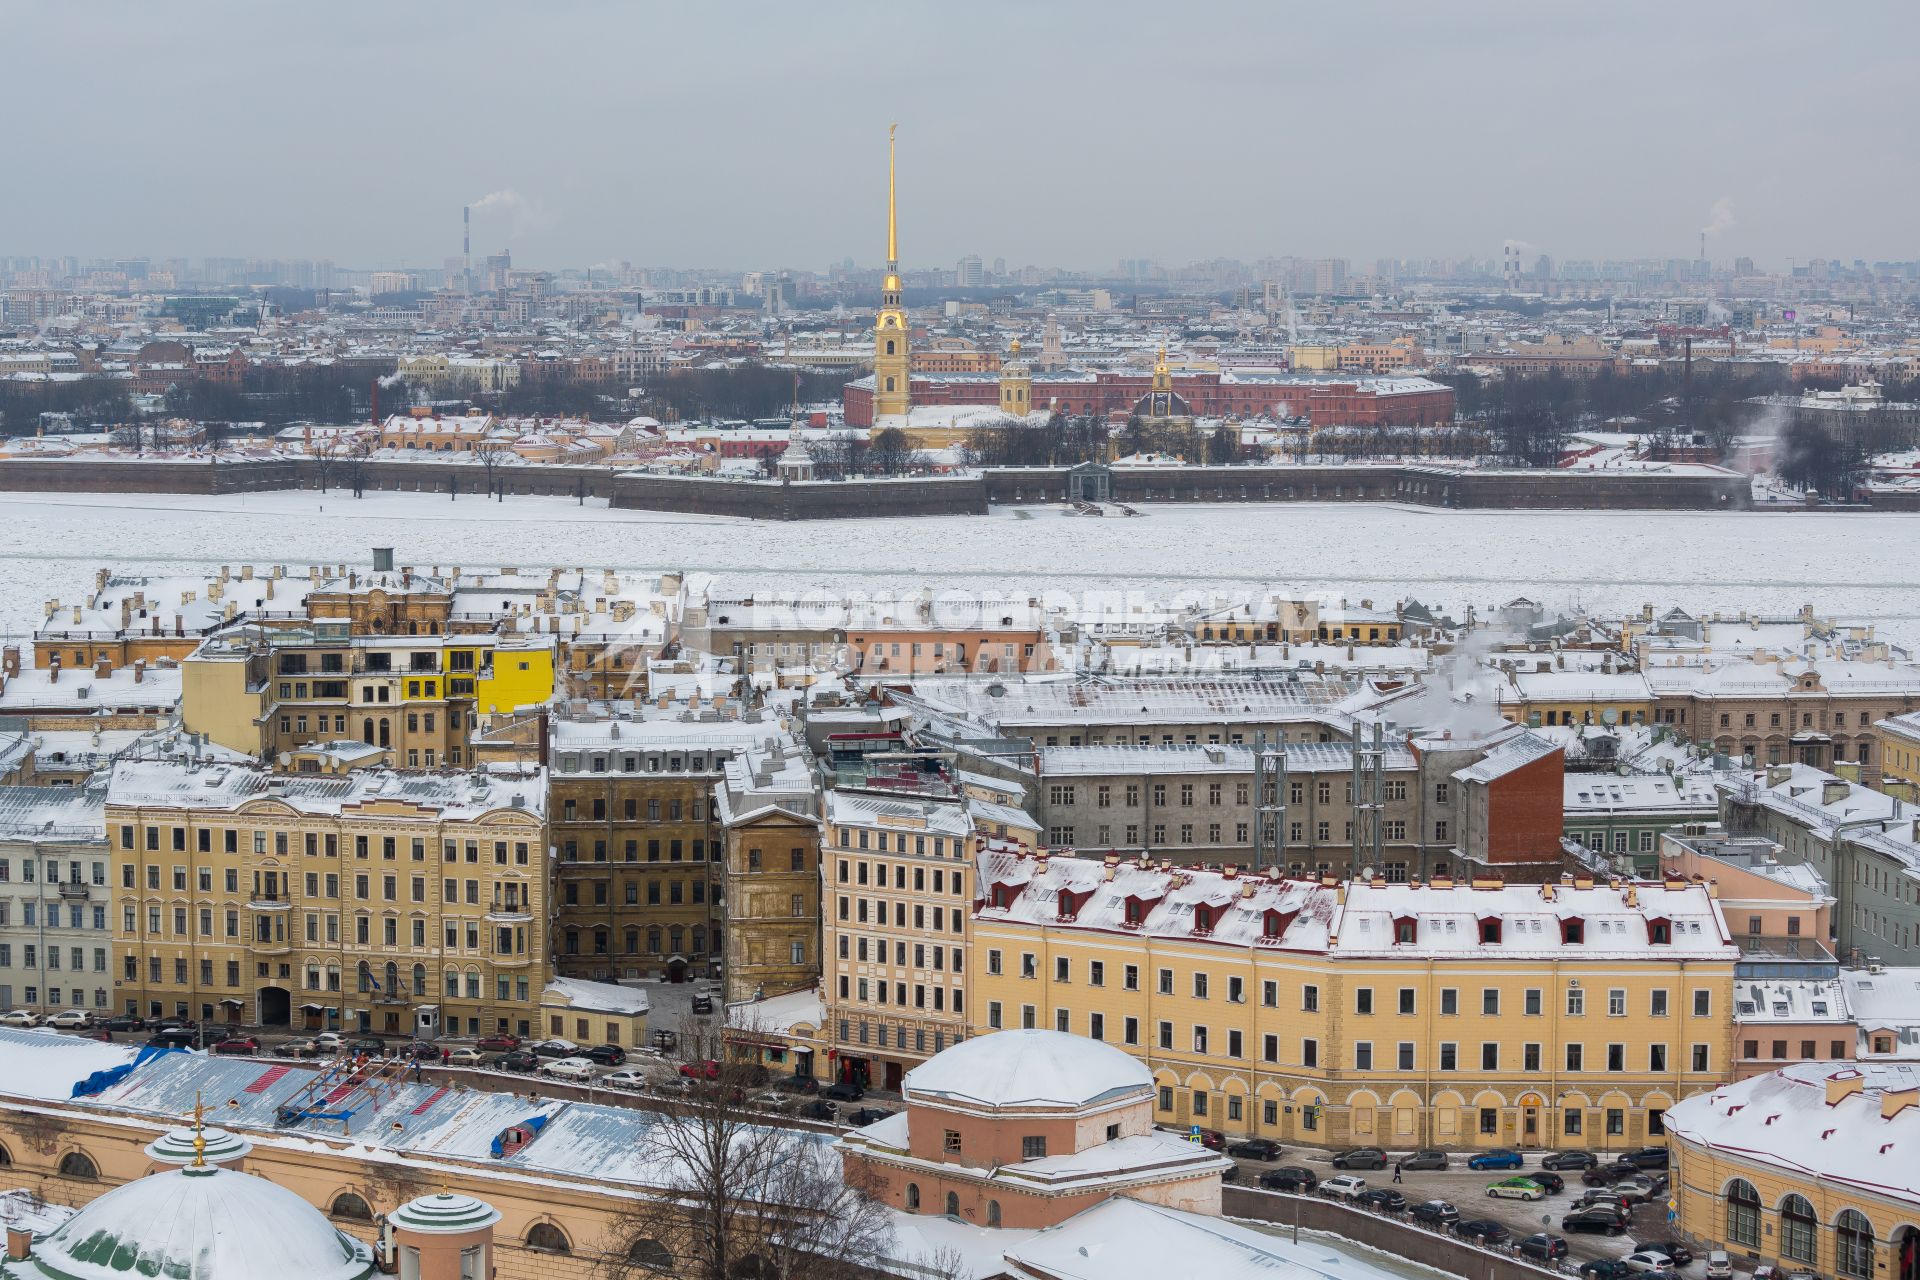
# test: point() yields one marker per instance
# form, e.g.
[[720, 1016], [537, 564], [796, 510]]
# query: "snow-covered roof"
[[1618, 919], [161, 784], [595, 997], [1028, 1069], [1797, 1000], [1515, 752]]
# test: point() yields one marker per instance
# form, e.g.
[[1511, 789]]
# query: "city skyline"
[[764, 147]]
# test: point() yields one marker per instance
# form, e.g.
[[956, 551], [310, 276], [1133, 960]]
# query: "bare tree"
[[491, 457], [744, 1196], [358, 450]]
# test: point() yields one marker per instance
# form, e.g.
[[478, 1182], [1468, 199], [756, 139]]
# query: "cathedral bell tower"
[[1016, 384], [891, 398]]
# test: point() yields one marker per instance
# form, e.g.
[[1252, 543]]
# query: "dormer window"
[[1202, 918], [1406, 930], [1005, 894], [1573, 931], [1660, 931], [1070, 904], [1489, 929], [1274, 922], [1136, 910]]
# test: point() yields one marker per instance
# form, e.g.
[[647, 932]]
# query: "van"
[[1719, 1266], [175, 1038]]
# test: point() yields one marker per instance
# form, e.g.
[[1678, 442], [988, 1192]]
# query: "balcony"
[[270, 903], [513, 962], [270, 946], [510, 915], [74, 889]]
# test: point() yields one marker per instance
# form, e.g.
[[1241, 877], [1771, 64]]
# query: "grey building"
[[56, 933]]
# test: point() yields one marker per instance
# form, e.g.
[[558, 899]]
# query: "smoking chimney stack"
[[466, 245]]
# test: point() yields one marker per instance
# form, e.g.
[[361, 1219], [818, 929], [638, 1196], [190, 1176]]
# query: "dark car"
[[1602, 1199], [1213, 1140], [368, 1044], [174, 1038], [517, 1060], [1500, 1158], [1483, 1230], [868, 1115], [703, 1004], [1605, 1175], [843, 1091], [814, 1109], [498, 1042], [1543, 1248], [1605, 1269], [1425, 1160], [1384, 1200], [1646, 1158], [1290, 1177], [178, 1024], [797, 1084], [1256, 1149], [1680, 1254], [238, 1044], [1601, 1218], [125, 1022], [554, 1049], [607, 1055], [1434, 1213], [1361, 1158], [1553, 1182], [1569, 1160], [422, 1049], [1230, 1174]]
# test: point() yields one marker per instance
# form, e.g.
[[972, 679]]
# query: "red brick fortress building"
[[1325, 401]]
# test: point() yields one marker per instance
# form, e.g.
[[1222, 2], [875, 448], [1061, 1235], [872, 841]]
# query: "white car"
[[71, 1020], [625, 1078], [329, 1042], [1344, 1186], [20, 1018], [467, 1056], [1648, 1260], [577, 1069]]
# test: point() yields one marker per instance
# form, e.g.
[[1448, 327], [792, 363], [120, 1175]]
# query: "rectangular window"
[[1362, 1056]]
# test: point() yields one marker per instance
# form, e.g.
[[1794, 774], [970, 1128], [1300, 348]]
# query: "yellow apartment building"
[[376, 901], [1899, 751], [1569, 1014]]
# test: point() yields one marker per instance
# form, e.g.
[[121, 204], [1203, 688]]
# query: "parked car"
[[1497, 1159], [1517, 1189], [174, 1038], [866, 1116], [125, 1022], [372, 1046], [1542, 1247], [1719, 1265], [1344, 1187], [1425, 1160], [238, 1044], [815, 1109], [1647, 1158], [1435, 1213], [1680, 1254], [1384, 1200], [554, 1048], [1607, 1199], [465, 1056], [71, 1020], [797, 1084], [1634, 1190], [330, 1041], [1605, 1175], [1290, 1177], [307, 1048], [1230, 1174], [498, 1042], [20, 1018], [1648, 1260], [702, 1069], [625, 1078], [1604, 1269], [1598, 1217], [1361, 1158], [843, 1091], [1569, 1160], [1482, 1231], [703, 1003], [1256, 1149], [1213, 1140], [420, 1049], [1552, 1183], [575, 1069], [517, 1060], [607, 1055]]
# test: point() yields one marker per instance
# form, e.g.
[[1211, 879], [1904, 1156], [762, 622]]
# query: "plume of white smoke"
[[521, 213], [393, 380], [1719, 218]]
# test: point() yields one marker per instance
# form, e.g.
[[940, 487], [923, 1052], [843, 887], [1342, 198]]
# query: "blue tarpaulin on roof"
[[532, 1124], [100, 1081]]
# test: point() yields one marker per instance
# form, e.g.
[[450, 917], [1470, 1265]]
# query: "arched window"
[[1853, 1245], [633, 942], [1799, 1230], [366, 978], [350, 1206], [544, 1237], [953, 1204], [889, 380], [366, 731], [653, 940], [676, 936], [993, 1213], [6, 1156], [78, 1164], [393, 977], [1743, 1214], [889, 352], [651, 1254], [913, 1195], [420, 980], [699, 940]]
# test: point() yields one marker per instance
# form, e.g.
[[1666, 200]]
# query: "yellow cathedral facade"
[[891, 337]]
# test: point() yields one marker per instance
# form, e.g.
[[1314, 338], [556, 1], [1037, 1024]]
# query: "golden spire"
[[893, 225], [199, 1132]]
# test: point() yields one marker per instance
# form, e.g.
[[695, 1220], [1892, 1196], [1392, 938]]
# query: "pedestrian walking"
[[446, 1055], [1396, 1171]]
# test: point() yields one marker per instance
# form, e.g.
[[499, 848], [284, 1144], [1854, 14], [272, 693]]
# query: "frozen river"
[[1851, 565]]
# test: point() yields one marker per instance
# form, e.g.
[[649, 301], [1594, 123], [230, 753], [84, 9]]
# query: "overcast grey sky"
[[1073, 134]]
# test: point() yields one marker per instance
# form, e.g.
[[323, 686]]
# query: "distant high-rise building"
[[1510, 266], [971, 273]]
